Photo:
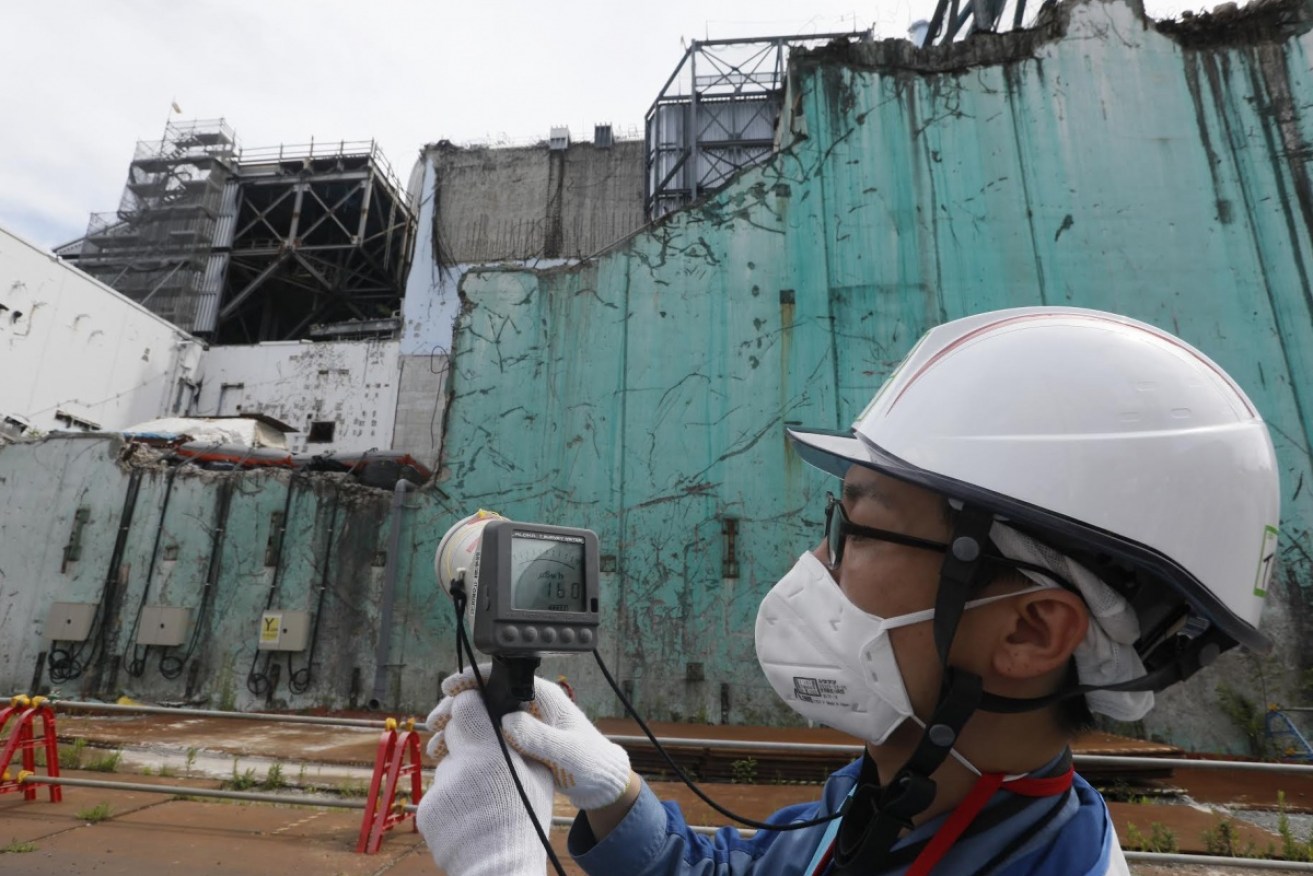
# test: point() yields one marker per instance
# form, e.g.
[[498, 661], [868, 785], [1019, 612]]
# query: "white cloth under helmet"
[[1107, 655]]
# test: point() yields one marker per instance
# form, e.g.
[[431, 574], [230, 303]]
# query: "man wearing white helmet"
[[1043, 512]]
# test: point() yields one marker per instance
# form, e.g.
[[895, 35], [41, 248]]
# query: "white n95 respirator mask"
[[830, 661]]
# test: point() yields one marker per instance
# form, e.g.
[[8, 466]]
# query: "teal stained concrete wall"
[[1094, 161], [212, 556]]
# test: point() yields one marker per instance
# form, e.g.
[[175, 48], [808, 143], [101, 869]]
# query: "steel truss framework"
[[320, 238], [716, 115], [958, 19]]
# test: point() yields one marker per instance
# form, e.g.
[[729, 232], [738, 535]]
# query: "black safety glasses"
[[838, 527]]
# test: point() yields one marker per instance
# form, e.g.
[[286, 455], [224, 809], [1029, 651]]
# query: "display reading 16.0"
[[547, 572]]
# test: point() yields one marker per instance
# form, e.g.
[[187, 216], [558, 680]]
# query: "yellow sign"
[[270, 627]]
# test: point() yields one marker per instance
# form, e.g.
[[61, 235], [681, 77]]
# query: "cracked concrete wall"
[[421, 402], [70, 344], [527, 206], [1098, 161], [530, 202], [206, 542]]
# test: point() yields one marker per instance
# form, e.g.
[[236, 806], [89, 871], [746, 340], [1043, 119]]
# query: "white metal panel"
[[352, 384], [70, 621], [284, 631], [163, 625], [80, 347]]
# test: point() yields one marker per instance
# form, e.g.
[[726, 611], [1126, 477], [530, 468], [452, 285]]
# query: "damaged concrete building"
[[634, 375]]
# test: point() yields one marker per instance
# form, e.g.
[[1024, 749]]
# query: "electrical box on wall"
[[70, 621], [284, 630], [163, 625]]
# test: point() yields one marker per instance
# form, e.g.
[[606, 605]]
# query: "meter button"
[[567, 636], [508, 635], [585, 637], [549, 636], [530, 634]]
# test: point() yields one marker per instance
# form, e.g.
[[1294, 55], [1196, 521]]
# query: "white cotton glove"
[[588, 768], [452, 685], [472, 818]]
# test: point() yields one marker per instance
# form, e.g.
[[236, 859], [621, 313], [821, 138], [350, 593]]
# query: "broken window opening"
[[321, 432]]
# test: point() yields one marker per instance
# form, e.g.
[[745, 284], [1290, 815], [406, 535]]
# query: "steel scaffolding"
[[242, 246], [716, 115], [155, 248]]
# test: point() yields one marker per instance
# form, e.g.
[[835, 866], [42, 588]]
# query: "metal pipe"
[[737, 744], [287, 799], [1219, 861], [77, 706], [1081, 760], [565, 821], [402, 487], [1252, 766]]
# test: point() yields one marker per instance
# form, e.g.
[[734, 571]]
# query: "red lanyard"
[[966, 812]]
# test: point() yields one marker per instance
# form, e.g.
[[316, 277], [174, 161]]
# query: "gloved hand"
[[472, 818], [452, 685], [588, 768]]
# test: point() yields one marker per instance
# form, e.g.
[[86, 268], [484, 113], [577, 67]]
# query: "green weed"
[[95, 814], [743, 772], [106, 763], [273, 778], [243, 781], [352, 788], [70, 756], [1292, 849], [1224, 840]]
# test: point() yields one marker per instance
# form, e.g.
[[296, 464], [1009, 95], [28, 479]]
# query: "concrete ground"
[[135, 833]]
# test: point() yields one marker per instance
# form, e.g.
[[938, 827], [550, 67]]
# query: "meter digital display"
[[547, 572], [535, 590]]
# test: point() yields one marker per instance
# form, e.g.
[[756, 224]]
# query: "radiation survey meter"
[[535, 589], [529, 589]]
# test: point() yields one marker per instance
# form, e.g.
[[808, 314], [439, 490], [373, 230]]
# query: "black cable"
[[136, 667], [259, 683], [63, 666], [171, 667], [462, 641], [759, 825], [298, 681]]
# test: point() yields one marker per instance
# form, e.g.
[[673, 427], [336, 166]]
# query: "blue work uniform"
[[1067, 835]]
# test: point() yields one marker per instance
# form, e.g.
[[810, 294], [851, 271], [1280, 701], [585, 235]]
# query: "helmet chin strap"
[[876, 814], [1186, 657]]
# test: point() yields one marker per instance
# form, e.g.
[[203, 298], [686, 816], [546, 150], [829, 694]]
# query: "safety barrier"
[[23, 742], [397, 760]]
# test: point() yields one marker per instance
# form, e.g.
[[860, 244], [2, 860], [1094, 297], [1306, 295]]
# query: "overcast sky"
[[85, 79]]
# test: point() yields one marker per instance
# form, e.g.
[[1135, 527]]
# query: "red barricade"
[[397, 760], [22, 743]]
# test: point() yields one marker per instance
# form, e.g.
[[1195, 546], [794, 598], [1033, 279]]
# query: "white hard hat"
[[1099, 434]]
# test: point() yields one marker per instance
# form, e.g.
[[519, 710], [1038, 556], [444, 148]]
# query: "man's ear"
[[1044, 629]]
